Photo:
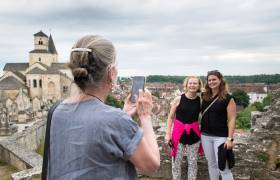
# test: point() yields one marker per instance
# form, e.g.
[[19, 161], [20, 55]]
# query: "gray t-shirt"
[[91, 140]]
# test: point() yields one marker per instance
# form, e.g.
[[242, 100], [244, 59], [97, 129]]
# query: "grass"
[[40, 149], [6, 171]]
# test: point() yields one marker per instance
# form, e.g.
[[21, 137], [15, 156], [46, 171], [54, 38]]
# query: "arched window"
[[65, 89], [40, 83], [34, 83], [39, 59]]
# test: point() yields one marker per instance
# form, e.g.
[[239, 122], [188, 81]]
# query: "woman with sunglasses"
[[185, 138], [217, 123]]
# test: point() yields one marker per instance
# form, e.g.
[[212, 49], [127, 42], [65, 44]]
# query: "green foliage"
[[241, 98], [162, 119], [243, 118], [112, 101], [262, 78], [259, 106], [267, 100], [262, 157], [2, 163], [159, 78], [156, 93], [277, 163], [40, 149]]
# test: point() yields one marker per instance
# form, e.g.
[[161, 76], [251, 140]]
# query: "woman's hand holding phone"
[[138, 82], [144, 104], [129, 107]]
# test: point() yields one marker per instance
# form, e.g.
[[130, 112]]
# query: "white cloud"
[[153, 36]]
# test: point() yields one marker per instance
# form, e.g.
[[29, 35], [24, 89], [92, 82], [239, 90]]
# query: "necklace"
[[92, 95], [190, 97]]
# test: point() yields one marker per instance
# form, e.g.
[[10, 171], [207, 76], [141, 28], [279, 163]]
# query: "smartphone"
[[138, 82], [170, 144]]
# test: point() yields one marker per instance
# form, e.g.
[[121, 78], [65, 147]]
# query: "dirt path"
[[6, 171]]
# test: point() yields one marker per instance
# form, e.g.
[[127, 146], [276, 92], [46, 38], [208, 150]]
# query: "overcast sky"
[[167, 37]]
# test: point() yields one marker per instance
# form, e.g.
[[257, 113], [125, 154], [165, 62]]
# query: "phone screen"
[[138, 82]]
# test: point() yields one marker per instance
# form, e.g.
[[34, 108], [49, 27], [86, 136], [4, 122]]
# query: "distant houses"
[[256, 91]]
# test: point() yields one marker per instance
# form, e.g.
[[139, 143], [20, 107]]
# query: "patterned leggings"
[[192, 155]]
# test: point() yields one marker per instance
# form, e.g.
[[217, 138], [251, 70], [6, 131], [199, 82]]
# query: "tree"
[[241, 98], [243, 118], [261, 78], [267, 100], [258, 105], [112, 101]]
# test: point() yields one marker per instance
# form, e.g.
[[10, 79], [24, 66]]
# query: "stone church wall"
[[34, 91], [51, 87], [44, 58]]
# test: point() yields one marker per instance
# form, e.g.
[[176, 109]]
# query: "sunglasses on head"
[[213, 72]]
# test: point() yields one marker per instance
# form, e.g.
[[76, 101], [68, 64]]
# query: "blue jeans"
[[210, 146]]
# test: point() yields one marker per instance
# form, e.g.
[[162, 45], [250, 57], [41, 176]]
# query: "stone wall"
[[46, 58], [256, 152], [9, 93], [19, 151], [32, 136]]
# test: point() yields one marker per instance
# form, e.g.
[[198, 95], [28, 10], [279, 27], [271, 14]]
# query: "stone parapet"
[[19, 151]]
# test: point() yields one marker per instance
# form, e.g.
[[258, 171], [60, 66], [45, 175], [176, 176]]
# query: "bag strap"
[[45, 165], [209, 106]]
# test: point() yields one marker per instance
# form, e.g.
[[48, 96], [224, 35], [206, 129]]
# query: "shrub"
[[241, 98], [243, 118], [262, 157], [277, 163], [112, 101], [267, 100], [259, 106]]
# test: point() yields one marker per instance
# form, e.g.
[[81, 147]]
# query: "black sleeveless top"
[[214, 121], [187, 112]]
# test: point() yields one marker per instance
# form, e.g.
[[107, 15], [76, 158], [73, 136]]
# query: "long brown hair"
[[223, 88]]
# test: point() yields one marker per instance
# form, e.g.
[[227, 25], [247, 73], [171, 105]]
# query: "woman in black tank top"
[[217, 125], [183, 115]]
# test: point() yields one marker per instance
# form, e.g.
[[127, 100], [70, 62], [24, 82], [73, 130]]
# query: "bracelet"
[[230, 139]]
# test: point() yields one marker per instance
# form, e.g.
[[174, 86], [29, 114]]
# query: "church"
[[40, 80]]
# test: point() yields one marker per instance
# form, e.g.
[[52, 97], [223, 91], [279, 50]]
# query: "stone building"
[[40, 80]]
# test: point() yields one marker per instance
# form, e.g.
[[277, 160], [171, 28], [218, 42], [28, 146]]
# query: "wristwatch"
[[230, 139]]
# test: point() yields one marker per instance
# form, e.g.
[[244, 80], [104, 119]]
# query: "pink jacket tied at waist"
[[178, 129]]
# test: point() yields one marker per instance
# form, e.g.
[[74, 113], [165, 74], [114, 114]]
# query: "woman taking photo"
[[218, 122], [184, 114], [91, 140]]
